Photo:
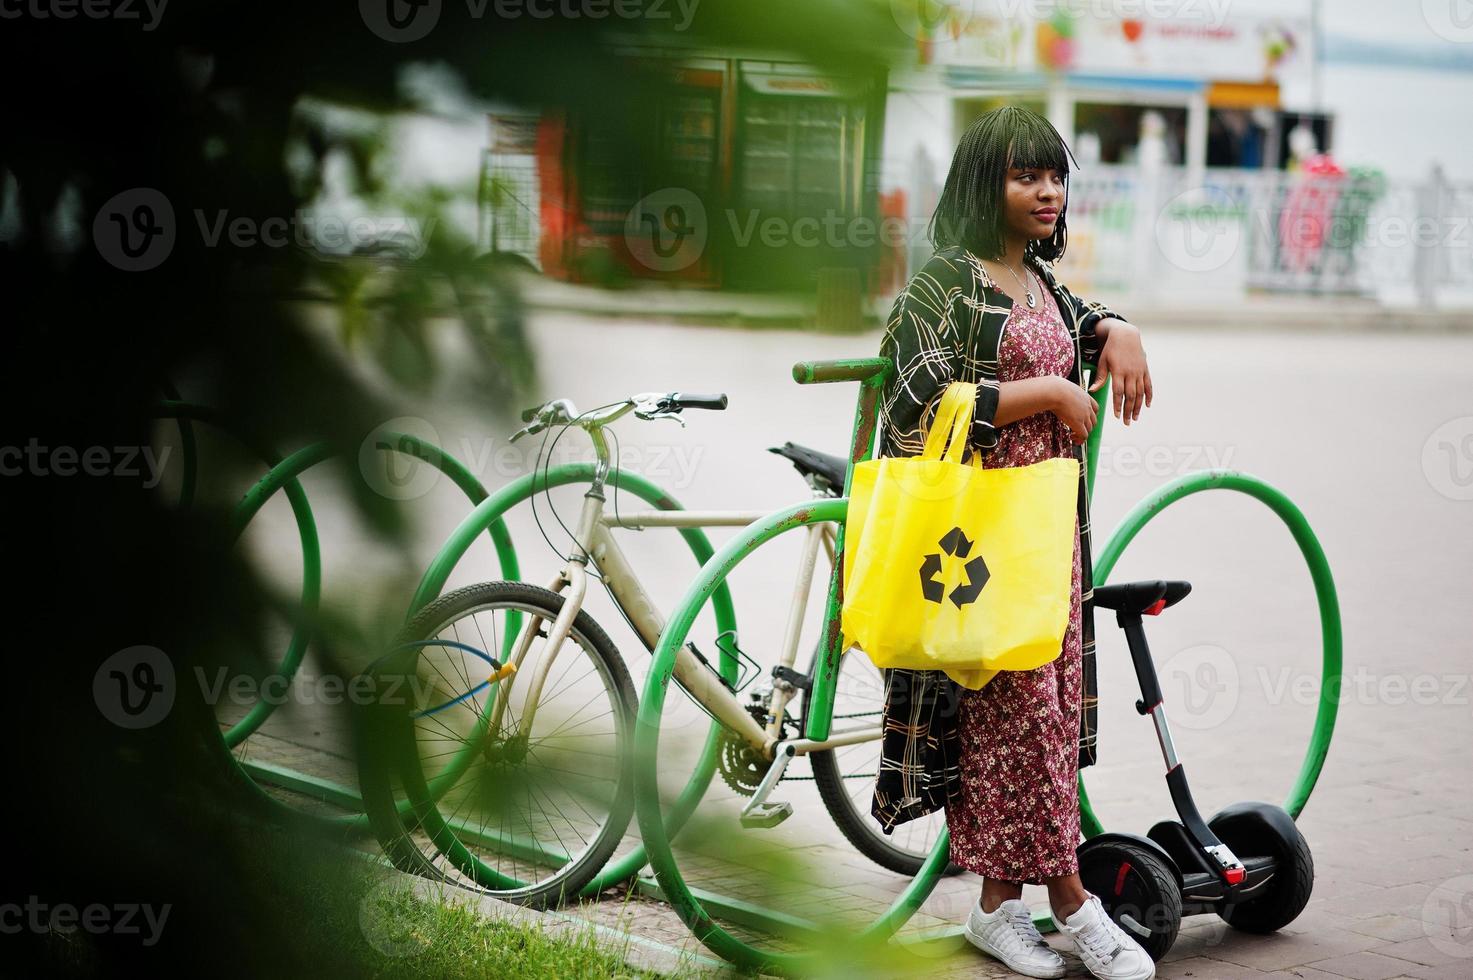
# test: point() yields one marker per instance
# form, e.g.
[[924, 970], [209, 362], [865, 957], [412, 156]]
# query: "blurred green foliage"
[[209, 104]]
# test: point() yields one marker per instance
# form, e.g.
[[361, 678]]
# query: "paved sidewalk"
[[1389, 827]]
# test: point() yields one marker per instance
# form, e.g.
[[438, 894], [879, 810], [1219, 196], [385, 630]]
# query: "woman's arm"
[[919, 343], [1029, 396], [1050, 393], [1122, 359], [1113, 345]]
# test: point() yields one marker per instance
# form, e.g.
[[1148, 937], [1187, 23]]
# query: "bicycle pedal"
[[765, 816]]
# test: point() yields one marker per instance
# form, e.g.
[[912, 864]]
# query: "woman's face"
[[1033, 198]]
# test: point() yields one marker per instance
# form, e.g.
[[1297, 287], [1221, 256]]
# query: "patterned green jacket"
[[947, 325]]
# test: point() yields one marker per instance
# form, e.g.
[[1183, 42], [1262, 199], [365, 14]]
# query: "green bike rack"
[[283, 476], [1324, 587], [488, 513], [872, 373], [646, 748], [185, 414]]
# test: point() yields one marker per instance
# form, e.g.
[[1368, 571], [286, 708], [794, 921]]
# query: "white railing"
[[1171, 236]]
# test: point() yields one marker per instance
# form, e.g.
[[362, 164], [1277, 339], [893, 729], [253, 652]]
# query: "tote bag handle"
[[953, 422]]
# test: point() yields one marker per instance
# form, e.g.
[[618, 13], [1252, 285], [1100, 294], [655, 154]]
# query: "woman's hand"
[[1075, 408], [1123, 358]]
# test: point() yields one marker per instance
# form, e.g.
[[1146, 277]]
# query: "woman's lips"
[[1046, 214]]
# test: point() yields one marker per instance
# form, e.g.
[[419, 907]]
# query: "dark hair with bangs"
[[969, 212]]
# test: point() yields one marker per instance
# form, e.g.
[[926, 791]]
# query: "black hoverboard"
[[1249, 863]]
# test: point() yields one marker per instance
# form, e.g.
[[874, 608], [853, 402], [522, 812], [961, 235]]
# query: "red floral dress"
[[1017, 818]]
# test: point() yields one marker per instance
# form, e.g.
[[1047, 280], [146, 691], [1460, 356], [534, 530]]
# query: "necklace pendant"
[[1032, 301]]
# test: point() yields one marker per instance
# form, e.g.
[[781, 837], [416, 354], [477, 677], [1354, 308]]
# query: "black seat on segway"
[[828, 468], [1141, 597]]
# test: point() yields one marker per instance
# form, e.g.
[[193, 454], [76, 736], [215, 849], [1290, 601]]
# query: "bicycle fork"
[[574, 576]]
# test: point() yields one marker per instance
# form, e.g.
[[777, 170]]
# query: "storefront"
[[1206, 88], [744, 172]]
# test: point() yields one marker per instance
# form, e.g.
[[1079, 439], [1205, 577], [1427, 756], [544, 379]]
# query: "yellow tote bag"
[[950, 566]]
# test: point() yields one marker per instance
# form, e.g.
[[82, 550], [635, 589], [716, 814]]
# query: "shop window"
[[1118, 129], [797, 154]]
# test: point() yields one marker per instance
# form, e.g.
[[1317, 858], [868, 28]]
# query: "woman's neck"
[[1013, 251]]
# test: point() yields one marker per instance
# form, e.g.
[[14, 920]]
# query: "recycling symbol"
[[954, 543]]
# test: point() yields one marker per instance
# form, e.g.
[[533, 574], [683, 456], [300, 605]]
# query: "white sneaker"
[[1108, 952], [1008, 934]]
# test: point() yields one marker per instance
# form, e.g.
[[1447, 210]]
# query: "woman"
[[1004, 760]]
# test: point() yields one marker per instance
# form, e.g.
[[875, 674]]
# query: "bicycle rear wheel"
[[846, 776], [804, 940], [529, 817]]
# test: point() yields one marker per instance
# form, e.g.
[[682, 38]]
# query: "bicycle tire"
[[417, 836], [859, 827]]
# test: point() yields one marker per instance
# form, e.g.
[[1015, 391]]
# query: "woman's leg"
[[1065, 894], [995, 891]]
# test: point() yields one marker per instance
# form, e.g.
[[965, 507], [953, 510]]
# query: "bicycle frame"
[[594, 541]]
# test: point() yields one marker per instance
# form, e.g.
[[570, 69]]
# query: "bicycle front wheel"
[[526, 812]]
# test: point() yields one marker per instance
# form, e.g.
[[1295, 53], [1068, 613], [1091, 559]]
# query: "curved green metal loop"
[[283, 475], [1324, 587], [1092, 444], [652, 822], [311, 594], [490, 510]]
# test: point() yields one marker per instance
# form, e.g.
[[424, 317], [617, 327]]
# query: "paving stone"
[[1280, 951], [1202, 968], [1424, 952], [1362, 966], [1391, 927]]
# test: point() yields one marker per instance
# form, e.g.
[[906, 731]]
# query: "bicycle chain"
[[742, 768]]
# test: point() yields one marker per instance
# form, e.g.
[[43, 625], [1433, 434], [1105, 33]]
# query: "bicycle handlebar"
[[681, 400], [552, 407], [646, 405]]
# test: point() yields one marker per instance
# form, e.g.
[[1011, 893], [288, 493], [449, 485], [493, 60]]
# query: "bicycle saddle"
[[1141, 597], [828, 468]]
